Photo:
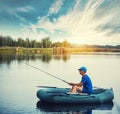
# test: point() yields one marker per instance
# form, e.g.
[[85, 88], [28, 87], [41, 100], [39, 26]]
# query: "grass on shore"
[[59, 50], [25, 50]]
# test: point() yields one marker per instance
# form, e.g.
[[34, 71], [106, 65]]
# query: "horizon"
[[84, 22], [72, 44]]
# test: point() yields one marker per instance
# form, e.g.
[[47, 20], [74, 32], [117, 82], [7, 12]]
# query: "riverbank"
[[22, 50], [58, 50]]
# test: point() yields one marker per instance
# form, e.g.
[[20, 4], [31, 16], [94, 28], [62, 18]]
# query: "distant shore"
[[46, 46], [57, 50]]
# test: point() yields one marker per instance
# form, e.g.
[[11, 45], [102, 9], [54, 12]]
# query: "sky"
[[78, 21]]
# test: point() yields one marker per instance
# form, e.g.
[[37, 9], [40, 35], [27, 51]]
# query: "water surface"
[[18, 82]]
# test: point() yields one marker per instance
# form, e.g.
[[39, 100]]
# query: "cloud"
[[25, 9], [32, 32], [55, 7], [82, 25], [14, 12]]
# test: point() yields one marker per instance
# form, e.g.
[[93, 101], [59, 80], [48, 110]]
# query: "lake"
[[18, 81]]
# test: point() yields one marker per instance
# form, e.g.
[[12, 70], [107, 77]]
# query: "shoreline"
[[57, 50]]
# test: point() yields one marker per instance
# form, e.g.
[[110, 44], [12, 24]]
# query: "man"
[[85, 85]]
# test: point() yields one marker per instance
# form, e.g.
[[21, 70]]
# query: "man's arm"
[[76, 84]]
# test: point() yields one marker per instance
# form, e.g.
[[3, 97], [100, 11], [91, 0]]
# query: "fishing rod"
[[46, 72], [46, 87]]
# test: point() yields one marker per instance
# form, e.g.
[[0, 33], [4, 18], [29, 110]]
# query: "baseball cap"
[[83, 69]]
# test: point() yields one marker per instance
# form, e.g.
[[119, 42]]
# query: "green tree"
[[21, 42], [46, 43], [9, 41], [65, 44], [27, 43], [2, 41], [57, 44], [33, 44]]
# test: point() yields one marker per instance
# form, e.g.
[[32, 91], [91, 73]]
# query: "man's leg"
[[75, 89]]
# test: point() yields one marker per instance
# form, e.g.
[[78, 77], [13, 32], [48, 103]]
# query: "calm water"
[[18, 82]]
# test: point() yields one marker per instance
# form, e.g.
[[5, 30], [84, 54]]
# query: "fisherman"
[[85, 85]]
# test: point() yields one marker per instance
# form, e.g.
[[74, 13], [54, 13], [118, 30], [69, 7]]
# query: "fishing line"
[[46, 72]]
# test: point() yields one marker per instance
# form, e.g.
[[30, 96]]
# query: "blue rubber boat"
[[63, 95]]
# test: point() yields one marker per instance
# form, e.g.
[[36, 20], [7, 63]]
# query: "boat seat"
[[69, 93]]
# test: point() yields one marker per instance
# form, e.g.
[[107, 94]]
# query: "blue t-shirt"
[[87, 84]]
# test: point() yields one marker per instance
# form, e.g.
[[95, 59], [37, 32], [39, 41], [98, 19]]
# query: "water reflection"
[[73, 108], [63, 57], [46, 57], [8, 58]]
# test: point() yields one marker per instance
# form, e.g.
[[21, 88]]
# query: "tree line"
[[44, 43], [27, 43]]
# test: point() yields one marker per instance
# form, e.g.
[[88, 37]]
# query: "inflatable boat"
[[63, 95]]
